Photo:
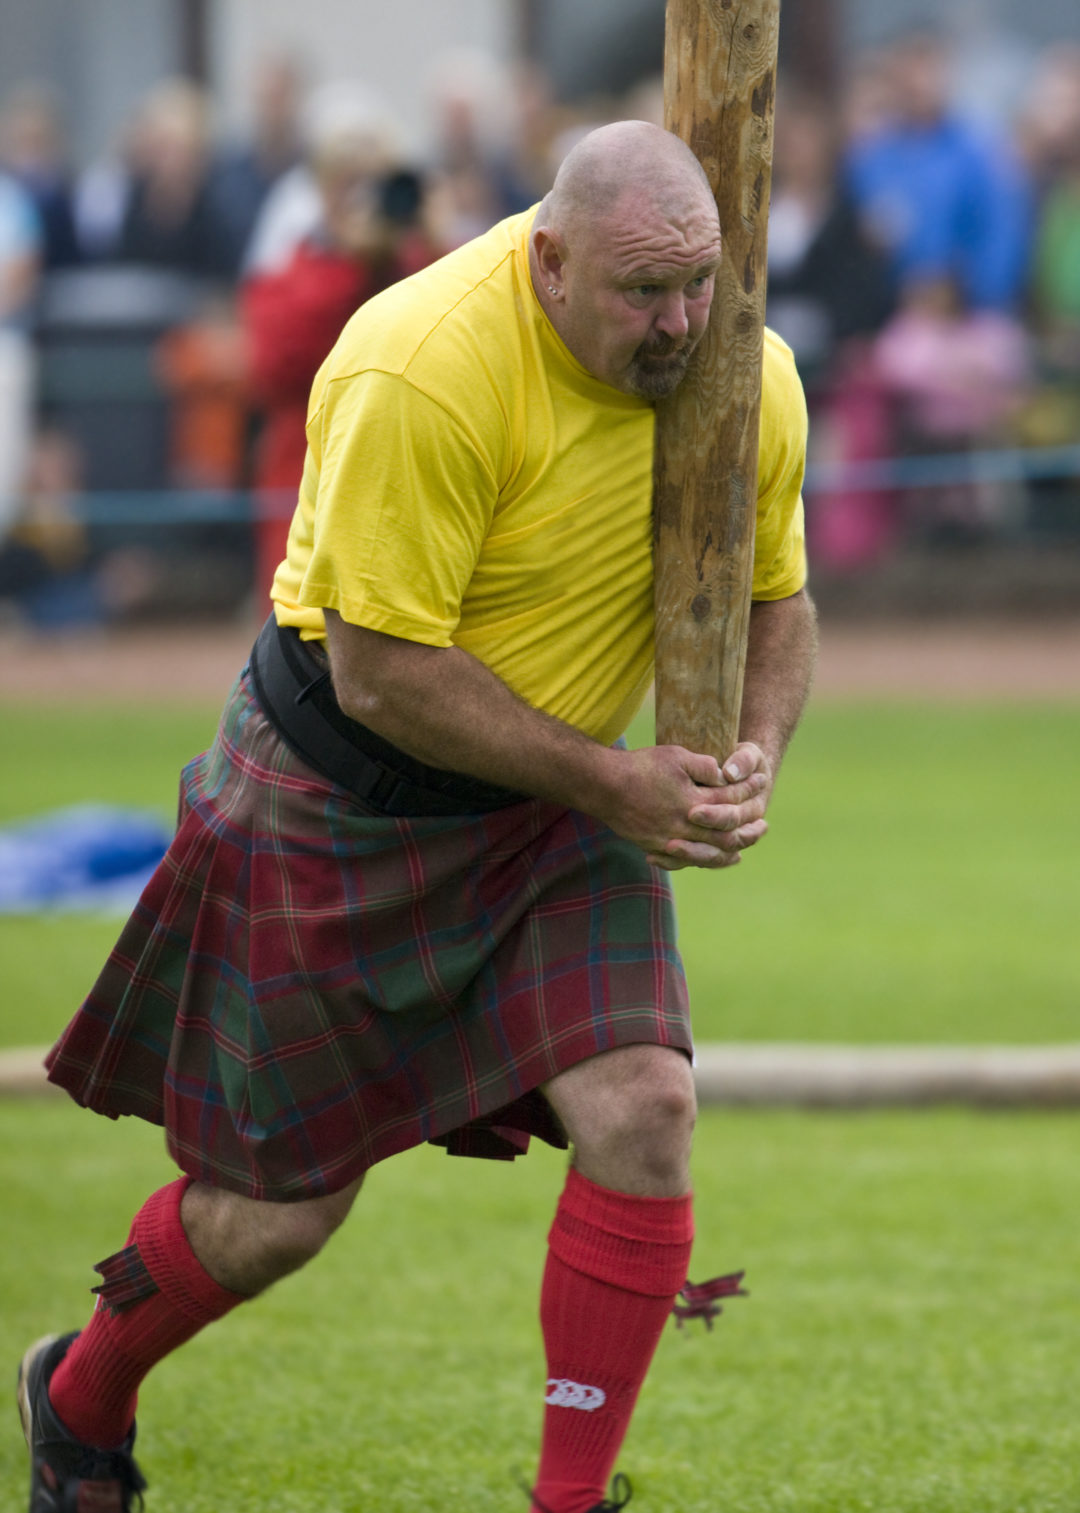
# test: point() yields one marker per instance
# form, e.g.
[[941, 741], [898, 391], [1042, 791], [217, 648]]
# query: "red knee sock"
[[155, 1295], [615, 1264]]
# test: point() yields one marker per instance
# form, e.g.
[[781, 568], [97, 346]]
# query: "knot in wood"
[[762, 96], [700, 606]]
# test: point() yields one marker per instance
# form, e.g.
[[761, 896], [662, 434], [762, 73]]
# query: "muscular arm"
[[444, 707], [781, 653]]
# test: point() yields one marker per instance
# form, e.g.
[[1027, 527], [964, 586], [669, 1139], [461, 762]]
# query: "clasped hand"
[[684, 810]]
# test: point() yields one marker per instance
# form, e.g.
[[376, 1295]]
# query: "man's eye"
[[701, 280], [646, 290]]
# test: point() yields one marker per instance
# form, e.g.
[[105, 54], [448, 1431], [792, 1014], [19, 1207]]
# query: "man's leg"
[[194, 1253], [618, 1254]]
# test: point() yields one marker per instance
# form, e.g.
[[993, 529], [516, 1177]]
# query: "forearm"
[[781, 655], [444, 707]]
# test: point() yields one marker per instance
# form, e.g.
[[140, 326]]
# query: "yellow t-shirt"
[[468, 483]]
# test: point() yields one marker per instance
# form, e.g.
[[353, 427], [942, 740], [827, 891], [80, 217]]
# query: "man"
[[946, 199], [416, 893]]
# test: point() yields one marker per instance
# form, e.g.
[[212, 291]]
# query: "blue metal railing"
[[176, 507]]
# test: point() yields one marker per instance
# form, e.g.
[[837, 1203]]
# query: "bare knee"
[[630, 1115], [295, 1232], [651, 1129], [246, 1245]]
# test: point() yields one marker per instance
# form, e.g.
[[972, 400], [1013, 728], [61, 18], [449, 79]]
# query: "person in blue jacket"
[[946, 197]]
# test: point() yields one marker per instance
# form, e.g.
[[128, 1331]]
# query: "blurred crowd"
[[163, 311], [925, 267]]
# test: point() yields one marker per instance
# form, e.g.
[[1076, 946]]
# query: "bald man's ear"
[[549, 249]]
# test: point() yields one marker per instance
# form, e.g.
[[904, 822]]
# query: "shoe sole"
[[22, 1395]]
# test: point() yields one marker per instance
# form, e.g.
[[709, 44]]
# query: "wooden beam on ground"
[[889, 1076], [22, 1073], [719, 92]]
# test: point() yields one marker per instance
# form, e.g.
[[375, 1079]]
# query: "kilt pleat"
[[307, 986]]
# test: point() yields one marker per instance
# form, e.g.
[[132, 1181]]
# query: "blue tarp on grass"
[[90, 857]]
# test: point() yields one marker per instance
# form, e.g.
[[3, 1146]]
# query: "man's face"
[[637, 287], [920, 80]]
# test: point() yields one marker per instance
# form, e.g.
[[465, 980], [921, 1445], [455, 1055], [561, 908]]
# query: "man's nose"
[[672, 318]]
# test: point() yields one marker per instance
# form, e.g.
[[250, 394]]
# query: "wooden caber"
[[719, 93]]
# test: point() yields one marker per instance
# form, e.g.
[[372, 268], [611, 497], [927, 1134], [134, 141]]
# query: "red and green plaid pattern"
[[307, 987]]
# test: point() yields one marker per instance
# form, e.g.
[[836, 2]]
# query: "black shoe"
[[66, 1476], [620, 1487]]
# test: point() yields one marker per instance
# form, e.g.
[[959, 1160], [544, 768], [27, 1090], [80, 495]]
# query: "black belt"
[[292, 684]]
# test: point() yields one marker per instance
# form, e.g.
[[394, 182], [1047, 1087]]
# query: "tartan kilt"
[[308, 986]]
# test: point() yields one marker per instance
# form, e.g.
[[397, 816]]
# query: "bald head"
[[626, 158], [623, 255]]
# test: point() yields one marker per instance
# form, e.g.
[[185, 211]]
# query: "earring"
[[552, 289]]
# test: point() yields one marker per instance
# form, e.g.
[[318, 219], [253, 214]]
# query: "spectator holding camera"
[[370, 231]]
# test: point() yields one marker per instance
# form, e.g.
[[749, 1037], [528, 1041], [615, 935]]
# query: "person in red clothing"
[[373, 233]]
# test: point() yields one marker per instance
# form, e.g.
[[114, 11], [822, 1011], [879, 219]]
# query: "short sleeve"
[[404, 499], [780, 534]]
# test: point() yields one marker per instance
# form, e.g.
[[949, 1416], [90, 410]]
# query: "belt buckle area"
[[384, 790]]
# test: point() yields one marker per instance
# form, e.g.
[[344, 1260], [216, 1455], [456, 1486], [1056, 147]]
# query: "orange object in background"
[[203, 368]]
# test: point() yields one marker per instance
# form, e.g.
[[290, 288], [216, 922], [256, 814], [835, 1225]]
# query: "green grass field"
[[909, 1345], [910, 1342], [919, 883]]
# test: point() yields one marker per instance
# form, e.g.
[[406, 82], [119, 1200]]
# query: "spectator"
[[830, 290], [45, 573], [960, 373], [171, 219], [293, 209], [20, 258], [202, 366], [537, 117], [32, 150], [475, 143], [992, 61], [958, 376], [950, 201], [101, 196], [370, 234], [1049, 122], [1057, 268], [868, 103], [52, 575], [243, 175], [828, 278], [1050, 132]]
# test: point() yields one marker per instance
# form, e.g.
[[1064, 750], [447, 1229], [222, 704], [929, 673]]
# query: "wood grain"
[[719, 91]]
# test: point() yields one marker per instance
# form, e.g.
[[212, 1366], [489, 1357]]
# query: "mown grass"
[[918, 884], [909, 1345]]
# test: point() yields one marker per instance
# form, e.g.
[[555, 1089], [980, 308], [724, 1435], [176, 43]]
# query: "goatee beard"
[[658, 371]]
